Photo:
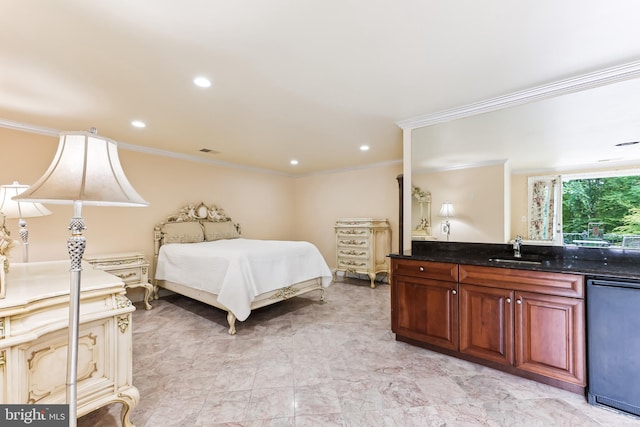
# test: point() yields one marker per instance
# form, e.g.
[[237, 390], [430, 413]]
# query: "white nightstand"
[[131, 267]]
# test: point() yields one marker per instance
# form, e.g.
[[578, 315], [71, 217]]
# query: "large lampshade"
[[13, 209], [85, 168]]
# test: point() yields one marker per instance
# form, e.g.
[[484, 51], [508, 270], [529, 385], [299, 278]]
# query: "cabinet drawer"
[[353, 253], [562, 284], [353, 263], [353, 232], [426, 269], [128, 275], [352, 242]]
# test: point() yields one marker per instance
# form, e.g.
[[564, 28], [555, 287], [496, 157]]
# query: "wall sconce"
[[447, 211], [13, 209], [86, 170]]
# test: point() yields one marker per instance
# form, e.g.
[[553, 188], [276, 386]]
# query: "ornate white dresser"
[[362, 246], [34, 336]]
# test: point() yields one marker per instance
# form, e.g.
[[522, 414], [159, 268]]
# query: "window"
[[596, 210]]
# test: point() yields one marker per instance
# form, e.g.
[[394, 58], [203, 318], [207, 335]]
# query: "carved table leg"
[[129, 399], [148, 291], [232, 323]]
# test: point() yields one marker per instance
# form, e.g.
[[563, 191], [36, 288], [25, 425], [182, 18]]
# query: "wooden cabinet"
[[531, 320], [486, 323], [530, 323], [363, 246], [34, 317], [550, 336], [426, 303]]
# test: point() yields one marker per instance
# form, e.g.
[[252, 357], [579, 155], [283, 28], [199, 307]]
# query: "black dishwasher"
[[613, 343]]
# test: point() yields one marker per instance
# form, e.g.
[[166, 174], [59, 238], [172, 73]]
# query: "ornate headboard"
[[194, 223]]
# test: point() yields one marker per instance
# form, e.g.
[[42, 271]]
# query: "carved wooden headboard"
[[191, 215]]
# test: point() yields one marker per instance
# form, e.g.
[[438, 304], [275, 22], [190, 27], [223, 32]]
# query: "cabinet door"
[[486, 323], [426, 310], [550, 337]]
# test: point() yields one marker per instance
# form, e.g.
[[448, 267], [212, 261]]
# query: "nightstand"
[[131, 267]]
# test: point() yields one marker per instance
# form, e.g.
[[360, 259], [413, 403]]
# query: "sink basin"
[[514, 260]]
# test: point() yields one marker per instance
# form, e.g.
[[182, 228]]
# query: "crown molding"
[[24, 127], [483, 164], [595, 79]]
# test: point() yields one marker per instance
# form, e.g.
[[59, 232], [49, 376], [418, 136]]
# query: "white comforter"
[[238, 270]]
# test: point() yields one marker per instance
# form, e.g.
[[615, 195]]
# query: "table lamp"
[[12, 209]]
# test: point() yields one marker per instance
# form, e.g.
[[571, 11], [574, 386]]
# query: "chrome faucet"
[[517, 242]]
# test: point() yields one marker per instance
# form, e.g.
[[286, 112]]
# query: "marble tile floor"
[[308, 363]]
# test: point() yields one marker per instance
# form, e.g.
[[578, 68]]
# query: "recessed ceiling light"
[[364, 148], [202, 82], [624, 144], [138, 124], [294, 162]]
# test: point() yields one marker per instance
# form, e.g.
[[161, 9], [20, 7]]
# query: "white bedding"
[[238, 270]]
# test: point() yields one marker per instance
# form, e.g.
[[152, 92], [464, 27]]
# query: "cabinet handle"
[[518, 301], [421, 268], [508, 300], [453, 291]]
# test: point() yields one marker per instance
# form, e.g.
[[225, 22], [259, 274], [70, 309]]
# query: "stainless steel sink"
[[510, 260]]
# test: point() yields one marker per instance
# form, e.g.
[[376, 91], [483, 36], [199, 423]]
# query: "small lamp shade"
[[447, 211], [13, 209], [86, 168]]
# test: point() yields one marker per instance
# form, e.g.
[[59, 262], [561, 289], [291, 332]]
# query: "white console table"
[[34, 338]]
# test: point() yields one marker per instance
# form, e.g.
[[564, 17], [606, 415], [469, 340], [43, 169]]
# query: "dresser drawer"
[[128, 275], [353, 232], [353, 263], [426, 269], [347, 252]]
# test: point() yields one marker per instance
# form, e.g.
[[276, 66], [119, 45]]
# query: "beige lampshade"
[[86, 169], [13, 209], [446, 210]]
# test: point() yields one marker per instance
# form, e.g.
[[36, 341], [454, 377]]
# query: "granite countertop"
[[602, 262]]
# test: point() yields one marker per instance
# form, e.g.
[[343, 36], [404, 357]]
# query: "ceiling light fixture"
[[364, 148], [138, 124], [294, 162], [202, 82], [624, 144]]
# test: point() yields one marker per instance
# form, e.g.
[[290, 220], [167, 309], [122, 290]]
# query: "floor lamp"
[[13, 209], [86, 170]]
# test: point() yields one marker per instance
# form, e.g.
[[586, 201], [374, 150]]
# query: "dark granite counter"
[[602, 262]]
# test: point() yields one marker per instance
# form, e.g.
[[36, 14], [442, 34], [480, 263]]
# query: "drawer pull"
[[518, 301], [508, 300], [421, 268], [453, 291]]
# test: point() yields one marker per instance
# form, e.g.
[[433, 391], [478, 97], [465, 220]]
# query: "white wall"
[[267, 205], [480, 199]]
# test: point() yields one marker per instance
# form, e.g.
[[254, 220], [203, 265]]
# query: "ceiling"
[[310, 80]]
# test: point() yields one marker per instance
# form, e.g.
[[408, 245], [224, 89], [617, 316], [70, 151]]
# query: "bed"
[[199, 253]]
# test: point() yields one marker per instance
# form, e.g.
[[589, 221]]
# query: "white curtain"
[[544, 208]]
